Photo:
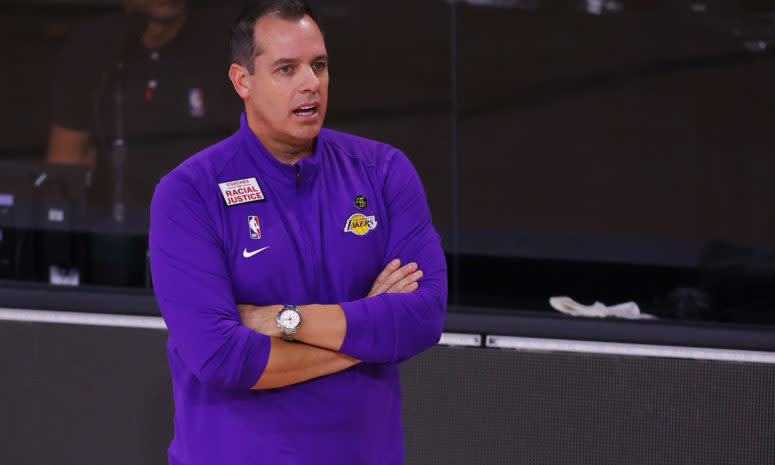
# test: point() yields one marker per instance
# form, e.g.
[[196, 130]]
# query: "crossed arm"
[[322, 332], [230, 346]]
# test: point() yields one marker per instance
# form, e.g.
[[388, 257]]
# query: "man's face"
[[289, 84]]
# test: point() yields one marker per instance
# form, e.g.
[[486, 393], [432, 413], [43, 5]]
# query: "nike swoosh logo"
[[247, 254]]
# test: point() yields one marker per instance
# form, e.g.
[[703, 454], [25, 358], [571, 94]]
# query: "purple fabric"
[[200, 272]]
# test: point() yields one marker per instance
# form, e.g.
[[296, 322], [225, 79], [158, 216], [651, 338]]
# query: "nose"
[[311, 81]]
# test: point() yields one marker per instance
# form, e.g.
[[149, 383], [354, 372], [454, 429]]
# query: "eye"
[[285, 69], [319, 65]]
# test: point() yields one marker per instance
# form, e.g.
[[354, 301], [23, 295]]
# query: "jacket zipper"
[[300, 216]]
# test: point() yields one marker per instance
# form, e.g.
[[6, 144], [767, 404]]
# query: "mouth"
[[307, 110]]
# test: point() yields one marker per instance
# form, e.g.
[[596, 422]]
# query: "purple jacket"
[[210, 215]]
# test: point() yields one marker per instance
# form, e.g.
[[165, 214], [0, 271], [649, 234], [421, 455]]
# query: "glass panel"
[[617, 150], [611, 151], [112, 104], [88, 87]]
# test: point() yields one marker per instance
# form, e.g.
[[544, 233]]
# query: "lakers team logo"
[[359, 224]]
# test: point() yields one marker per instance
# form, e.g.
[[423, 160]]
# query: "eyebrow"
[[284, 61]]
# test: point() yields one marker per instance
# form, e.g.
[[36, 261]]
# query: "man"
[[175, 101], [286, 231]]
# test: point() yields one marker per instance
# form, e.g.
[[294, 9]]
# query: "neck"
[[158, 33], [285, 152]]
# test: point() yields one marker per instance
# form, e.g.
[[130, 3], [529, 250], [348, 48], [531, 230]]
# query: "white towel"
[[628, 310]]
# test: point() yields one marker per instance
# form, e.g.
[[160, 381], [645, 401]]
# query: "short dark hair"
[[242, 45]]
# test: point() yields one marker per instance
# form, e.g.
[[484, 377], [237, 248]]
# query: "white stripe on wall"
[[460, 340], [91, 319], [619, 348], [493, 341]]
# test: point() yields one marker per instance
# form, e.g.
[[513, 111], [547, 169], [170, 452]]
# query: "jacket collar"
[[274, 168]]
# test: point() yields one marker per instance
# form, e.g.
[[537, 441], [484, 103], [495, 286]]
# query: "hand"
[[261, 319], [395, 280]]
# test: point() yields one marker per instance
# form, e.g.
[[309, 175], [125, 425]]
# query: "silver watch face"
[[289, 319]]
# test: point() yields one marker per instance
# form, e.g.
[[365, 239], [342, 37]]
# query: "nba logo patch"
[[255, 228]]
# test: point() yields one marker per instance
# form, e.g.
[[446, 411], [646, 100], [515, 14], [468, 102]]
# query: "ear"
[[239, 79]]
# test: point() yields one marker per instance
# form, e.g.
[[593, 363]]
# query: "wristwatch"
[[288, 320]]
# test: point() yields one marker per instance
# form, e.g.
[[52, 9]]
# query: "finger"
[[389, 268], [388, 279], [393, 278], [403, 289], [406, 284], [377, 286]]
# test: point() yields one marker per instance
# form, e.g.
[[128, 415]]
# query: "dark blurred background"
[[607, 150]]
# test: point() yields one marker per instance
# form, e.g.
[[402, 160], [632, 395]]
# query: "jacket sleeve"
[[394, 327], [194, 291]]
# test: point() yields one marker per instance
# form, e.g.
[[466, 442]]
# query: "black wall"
[[101, 395]]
